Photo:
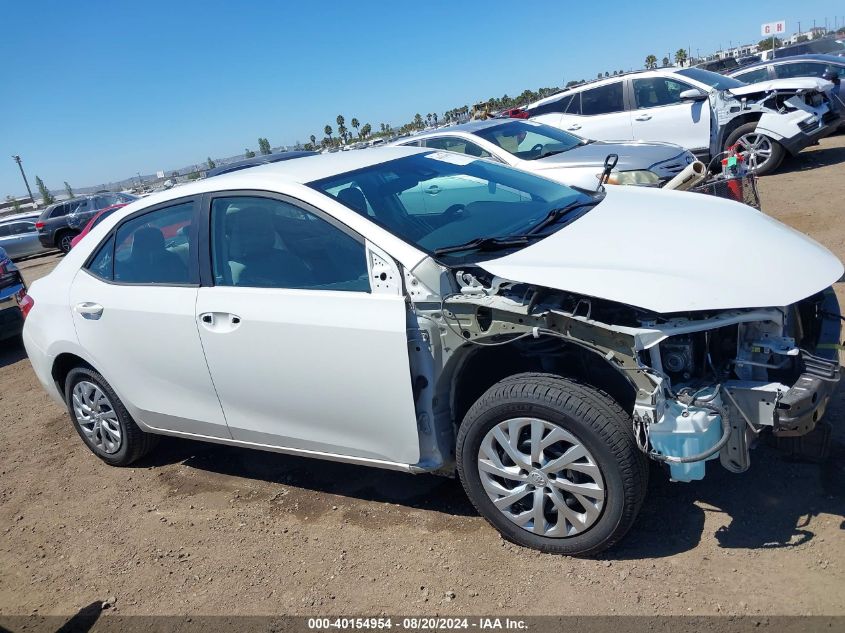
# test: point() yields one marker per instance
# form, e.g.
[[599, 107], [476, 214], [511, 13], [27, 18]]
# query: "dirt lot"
[[203, 529]]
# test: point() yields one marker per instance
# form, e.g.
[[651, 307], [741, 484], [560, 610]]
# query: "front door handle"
[[433, 189], [220, 321], [643, 117], [89, 310], [577, 126]]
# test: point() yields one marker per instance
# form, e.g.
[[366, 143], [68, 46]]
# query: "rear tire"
[[764, 154], [102, 421], [63, 241], [580, 492]]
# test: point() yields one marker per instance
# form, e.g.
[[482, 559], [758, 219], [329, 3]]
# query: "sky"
[[96, 91]]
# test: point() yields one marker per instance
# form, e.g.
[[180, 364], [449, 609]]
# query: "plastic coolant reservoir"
[[679, 435]]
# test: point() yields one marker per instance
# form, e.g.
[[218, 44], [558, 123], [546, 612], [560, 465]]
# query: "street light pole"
[[17, 159]]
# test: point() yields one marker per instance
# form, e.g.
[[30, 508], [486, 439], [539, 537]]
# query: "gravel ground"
[[205, 529]]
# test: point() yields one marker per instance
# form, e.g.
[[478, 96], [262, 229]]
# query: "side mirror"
[[693, 94]]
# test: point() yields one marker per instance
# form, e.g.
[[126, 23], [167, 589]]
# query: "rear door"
[[19, 238], [599, 113], [304, 353], [661, 114], [133, 307]]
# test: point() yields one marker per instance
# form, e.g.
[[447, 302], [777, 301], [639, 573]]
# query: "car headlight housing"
[[641, 177]]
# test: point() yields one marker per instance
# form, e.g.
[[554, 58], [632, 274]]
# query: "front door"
[[303, 354], [661, 114], [133, 309]]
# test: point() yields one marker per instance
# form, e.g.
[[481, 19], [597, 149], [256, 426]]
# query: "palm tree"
[[313, 140], [434, 116], [328, 131], [650, 62], [356, 124], [418, 120], [366, 129], [665, 62], [680, 56]]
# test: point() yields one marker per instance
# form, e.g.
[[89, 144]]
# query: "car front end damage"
[[699, 386], [796, 113]]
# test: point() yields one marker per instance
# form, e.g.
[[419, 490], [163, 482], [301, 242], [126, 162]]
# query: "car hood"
[[632, 155], [794, 84], [671, 251]]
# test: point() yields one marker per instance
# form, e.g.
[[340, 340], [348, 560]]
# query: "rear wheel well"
[[63, 365], [483, 367]]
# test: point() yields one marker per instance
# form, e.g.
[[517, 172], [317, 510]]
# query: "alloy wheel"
[[757, 149], [65, 243], [96, 417], [541, 477]]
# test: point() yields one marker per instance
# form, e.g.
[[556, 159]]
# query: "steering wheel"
[[537, 148], [454, 211]]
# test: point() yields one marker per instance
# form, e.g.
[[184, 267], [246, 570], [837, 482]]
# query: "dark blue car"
[[12, 292]]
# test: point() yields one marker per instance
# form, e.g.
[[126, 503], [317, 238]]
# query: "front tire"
[[552, 464], [102, 421], [763, 154]]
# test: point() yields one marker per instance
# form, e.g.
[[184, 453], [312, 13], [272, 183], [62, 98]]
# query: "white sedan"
[[540, 341], [556, 154]]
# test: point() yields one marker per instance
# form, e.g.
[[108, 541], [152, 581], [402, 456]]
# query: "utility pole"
[[17, 159]]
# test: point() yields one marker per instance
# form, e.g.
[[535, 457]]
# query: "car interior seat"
[[150, 259]]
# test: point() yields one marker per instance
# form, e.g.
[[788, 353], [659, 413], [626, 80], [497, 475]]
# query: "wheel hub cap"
[[96, 416], [541, 477]]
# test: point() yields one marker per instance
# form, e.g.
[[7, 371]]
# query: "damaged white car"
[[700, 110], [544, 342]]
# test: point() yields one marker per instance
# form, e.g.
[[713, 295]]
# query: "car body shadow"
[[11, 351], [824, 157]]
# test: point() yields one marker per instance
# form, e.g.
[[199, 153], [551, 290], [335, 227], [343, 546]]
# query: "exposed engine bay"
[[699, 386]]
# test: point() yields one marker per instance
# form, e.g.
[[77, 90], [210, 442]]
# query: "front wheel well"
[[482, 367], [63, 365], [733, 124]]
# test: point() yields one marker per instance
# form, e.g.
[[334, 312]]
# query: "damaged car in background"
[[543, 342], [703, 111]]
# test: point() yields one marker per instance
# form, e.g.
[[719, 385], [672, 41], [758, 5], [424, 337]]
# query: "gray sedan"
[[19, 237], [558, 155]]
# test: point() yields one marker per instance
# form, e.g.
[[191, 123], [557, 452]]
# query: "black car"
[[261, 159], [12, 293], [61, 222]]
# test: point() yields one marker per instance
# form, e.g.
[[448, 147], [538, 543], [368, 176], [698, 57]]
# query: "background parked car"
[[12, 294], [61, 222], [94, 221], [551, 152], [19, 237], [702, 111]]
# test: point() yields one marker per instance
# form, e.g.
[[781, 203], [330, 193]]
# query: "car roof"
[[670, 70], [31, 215], [807, 57], [297, 171], [470, 127], [260, 159]]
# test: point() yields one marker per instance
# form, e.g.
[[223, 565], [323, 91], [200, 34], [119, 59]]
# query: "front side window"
[[755, 75], [439, 200], [529, 140], [155, 248], [267, 243], [21, 228], [602, 100], [456, 144], [653, 92]]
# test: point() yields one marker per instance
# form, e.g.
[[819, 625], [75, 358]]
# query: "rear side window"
[[602, 100], [5, 230], [558, 105], [753, 76], [102, 265], [59, 211], [800, 69], [455, 144], [156, 247]]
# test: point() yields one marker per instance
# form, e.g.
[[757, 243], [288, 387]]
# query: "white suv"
[[542, 341], [700, 110]]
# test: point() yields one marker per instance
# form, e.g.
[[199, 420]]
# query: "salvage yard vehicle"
[[13, 298], [19, 237], [61, 222], [553, 153], [700, 110], [523, 337]]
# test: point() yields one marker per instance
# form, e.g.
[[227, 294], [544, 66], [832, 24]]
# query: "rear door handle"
[[433, 189], [89, 310], [220, 321], [643, 117]]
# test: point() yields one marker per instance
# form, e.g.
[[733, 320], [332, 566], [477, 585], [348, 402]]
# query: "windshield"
[[529, 140], [440, 199], [714, 80]]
